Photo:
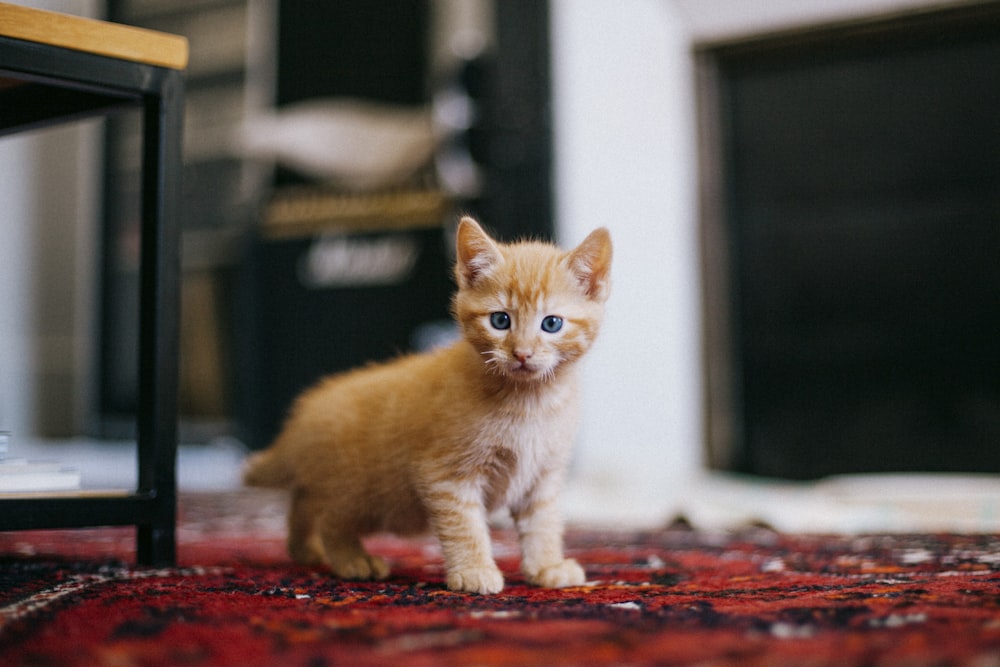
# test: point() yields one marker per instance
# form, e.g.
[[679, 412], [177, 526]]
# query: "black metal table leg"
[[159, 314]]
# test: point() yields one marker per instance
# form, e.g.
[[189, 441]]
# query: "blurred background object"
[[343, 135]]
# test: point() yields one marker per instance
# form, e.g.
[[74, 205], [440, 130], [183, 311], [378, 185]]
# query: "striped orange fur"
[[440, 440]]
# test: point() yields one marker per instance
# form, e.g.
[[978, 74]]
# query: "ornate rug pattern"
[[668, 597]]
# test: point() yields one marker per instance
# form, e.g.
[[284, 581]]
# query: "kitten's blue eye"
[[500, 321], [552, 323]]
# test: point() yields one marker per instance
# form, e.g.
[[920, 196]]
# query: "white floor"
[[715, 501], [876, 503]]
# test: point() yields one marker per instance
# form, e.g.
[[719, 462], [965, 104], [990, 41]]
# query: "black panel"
[[518, 198], [378, 50], [307, 330], [372, 49], [862, 175]]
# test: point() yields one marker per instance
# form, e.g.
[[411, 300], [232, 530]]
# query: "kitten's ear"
[[478, 254], [590, 262]]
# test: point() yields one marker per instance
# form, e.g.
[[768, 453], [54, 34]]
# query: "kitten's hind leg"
[[346, 555], [303, 542]]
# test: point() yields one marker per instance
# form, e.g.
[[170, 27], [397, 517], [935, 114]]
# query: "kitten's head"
[[530, 308]]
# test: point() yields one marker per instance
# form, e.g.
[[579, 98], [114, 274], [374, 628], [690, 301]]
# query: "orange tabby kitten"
[[441, 439]]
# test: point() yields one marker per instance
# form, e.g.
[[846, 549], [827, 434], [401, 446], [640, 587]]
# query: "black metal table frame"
[[60, 85]]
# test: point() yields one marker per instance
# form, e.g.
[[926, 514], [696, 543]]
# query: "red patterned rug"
[[670, 597]]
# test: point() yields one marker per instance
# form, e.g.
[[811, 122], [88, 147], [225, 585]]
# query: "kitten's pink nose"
[[522, 355]]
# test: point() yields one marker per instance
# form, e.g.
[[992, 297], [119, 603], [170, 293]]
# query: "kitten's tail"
[[267, 469]]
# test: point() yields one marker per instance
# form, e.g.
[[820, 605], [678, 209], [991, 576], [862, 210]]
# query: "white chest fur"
[[518, 446]]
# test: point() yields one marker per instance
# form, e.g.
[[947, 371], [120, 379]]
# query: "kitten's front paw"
[[361, 567], [482, 580], [565, 573]]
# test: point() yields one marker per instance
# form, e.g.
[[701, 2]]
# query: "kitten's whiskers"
[[492, 362]]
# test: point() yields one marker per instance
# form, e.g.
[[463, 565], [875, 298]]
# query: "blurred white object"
[[18, 475], [356, 144]]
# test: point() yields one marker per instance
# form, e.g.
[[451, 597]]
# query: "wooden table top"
[[92, 36]]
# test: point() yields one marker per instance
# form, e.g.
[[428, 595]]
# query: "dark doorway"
[[852, 247]]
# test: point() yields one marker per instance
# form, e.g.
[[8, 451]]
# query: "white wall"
[[624, 118], [16, 379], [49, 189], [623, 147]]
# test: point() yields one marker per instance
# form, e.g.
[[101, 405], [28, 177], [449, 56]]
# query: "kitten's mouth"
[[520, 370]]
